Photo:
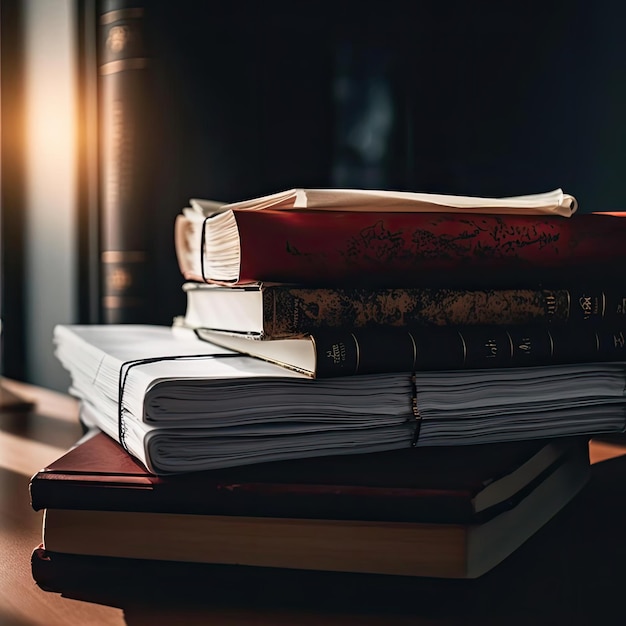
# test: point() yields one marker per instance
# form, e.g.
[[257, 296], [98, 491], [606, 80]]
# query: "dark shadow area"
[[12, 199]]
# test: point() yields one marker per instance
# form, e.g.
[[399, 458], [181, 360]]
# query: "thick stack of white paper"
[[180, 404]]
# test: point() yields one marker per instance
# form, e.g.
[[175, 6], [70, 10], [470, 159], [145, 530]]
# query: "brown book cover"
[[271, 311], [440, 484]]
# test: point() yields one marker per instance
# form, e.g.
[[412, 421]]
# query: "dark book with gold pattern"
[[272, 311]]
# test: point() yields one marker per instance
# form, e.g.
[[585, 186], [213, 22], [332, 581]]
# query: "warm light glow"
[[600, 451], [50, 180], [50, 136]]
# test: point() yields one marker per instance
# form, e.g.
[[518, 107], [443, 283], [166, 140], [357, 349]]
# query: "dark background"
[[254, 97], [451, 97]]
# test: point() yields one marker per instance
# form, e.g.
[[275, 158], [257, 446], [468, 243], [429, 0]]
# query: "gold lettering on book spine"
[[492, 348], [337, 353], [551, 302], [586, 306], [119, 279], [593, 307], [525, 344]]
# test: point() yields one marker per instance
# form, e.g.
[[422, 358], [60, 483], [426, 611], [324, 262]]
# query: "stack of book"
[[365, 283], [411, 412], [436, 513]]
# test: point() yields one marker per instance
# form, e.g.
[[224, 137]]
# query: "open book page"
[[553, 202]]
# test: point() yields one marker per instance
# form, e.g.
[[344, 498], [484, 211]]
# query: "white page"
[[552, 202]]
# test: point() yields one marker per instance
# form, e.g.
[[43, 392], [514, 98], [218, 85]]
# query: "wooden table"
[[572, 572]]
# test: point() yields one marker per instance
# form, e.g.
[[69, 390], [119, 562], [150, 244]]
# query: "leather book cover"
[[290, 311], [440, 484], [126, 122], [392, 249], [328, 353], [401, 249]]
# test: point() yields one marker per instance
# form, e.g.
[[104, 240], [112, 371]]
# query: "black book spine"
[[124, 133], [343, 353]]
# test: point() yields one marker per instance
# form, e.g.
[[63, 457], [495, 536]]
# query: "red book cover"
[[393, 248], [460, 484], [397, 249]]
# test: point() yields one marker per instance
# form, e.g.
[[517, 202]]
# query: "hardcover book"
[[125, 161], [347, 352], [392, 249], [354, 543], [444, 484], [267, 311], [180, 404], [105, 580]]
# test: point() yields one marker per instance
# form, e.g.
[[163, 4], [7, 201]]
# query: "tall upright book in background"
[[125, 175]]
